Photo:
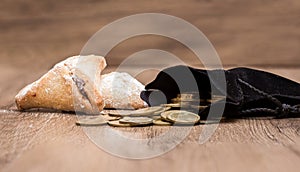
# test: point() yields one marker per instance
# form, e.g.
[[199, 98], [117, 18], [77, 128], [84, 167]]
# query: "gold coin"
[[120, 113], [198, 107], [186, 96], [182, 117], [155, 117], [146, 111], [176, 100], [185, 104], [96, 120], [161, 122], [111, 118], [190, 100], [172, 105], [164, 116], [161, 111], [189, 96], [136, 121], [118, 124], [177, 105]]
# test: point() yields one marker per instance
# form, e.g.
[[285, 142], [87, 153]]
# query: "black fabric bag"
[[249, 92]]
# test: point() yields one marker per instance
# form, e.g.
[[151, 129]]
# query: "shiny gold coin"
[[120, 113], [164, 116], [161, 122], [198, 107], [188, 95], [172, 105], [118, 124], [96, 120], [156, 117], [136, 121], [146, 111], [182, 117], [190, 101], [111, 118], [161, 111], [176, 100]]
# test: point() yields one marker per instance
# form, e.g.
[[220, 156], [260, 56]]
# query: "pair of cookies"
[[76, 84]]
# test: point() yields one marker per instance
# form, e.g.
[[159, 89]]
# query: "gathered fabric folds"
[[248, 92]]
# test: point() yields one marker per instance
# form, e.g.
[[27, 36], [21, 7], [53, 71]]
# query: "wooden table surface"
[[37, 34]]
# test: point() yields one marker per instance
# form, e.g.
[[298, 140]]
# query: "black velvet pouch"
[[248, 92]]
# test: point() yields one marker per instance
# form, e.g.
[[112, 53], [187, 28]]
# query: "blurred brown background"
[[37, 34]]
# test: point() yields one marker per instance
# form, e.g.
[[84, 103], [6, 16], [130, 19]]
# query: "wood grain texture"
[[187, 157], [47, 138]]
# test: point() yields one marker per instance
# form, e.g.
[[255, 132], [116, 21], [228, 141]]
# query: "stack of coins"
[[124, 118], [190, 100], [183, 110]]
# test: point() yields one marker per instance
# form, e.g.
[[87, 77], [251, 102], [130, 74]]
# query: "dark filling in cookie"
[[80, 85]]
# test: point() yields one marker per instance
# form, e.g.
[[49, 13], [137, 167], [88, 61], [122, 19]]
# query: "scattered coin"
[[186, 104], [172, 105], [118, 124], [190, 101], [179, 100], [188, 95], [178, 105], [161, 111], [97, 120], [189, 98], [164, 116], [161, 122], [182, 117], [136, 121], [146, 111], [198, 107], [155, 117], [192, 98], [147, 116], [176, 100], [120, 113], [111, 118]]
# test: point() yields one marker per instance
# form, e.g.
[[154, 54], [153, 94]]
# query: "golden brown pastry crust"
[[59, 88]]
